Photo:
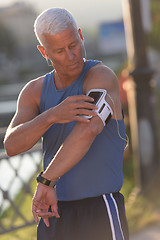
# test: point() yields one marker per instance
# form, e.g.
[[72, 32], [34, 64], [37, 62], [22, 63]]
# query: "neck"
[[62, 81]]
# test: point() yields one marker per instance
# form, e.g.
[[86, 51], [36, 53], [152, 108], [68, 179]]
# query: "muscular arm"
[[28, 126], [74, 148]]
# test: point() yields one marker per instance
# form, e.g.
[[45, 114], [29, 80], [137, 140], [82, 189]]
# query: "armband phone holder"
[[104, 110]]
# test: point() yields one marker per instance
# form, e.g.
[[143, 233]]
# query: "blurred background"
[[125, 35]]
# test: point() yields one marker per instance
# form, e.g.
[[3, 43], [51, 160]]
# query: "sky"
[[88, 13]]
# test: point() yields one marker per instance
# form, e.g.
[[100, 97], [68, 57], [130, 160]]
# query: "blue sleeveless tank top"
[[100, 170]]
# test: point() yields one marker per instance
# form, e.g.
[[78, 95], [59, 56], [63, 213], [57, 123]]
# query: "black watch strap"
[[45, 181]]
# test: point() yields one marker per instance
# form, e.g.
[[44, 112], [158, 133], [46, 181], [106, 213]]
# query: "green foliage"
[[154, 36], [128, 182], [7, 41], [27, 233], [142, 212]]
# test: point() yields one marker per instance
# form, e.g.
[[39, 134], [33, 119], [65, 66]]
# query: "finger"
[[86, 112], [45, 214], [81, 105], [81, 119], [35, 216], [34, 213], [84, 105], [55, 210], [80, 98], [46, 221]]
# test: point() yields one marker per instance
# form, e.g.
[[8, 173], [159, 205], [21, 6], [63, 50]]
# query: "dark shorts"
[[98, 218]]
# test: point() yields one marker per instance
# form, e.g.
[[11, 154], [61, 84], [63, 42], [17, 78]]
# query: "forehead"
[[61, 39]]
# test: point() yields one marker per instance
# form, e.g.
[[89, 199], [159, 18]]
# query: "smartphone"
[[97, 95]]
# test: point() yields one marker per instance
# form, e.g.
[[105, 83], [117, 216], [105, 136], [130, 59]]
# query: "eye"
[[73, 45], [60, 51]]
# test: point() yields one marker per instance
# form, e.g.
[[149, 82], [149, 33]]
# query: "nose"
[[69, 54]]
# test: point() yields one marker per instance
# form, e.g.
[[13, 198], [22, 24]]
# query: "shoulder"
[[32, 90], [100, 76]]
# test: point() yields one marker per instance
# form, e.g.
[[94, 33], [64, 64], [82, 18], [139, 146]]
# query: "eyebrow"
[[58, 49]]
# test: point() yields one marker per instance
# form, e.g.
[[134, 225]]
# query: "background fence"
[[17, 185]]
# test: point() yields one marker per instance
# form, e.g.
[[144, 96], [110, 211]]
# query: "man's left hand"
[[44, 198]]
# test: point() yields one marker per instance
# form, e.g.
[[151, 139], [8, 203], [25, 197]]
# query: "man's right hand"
[[72, 109]]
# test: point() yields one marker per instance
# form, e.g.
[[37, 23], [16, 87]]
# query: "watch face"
[[52, 184]]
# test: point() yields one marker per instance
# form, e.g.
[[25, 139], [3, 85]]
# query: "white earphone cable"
[[125, 139]]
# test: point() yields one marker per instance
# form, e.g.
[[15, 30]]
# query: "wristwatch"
[[45, 181]]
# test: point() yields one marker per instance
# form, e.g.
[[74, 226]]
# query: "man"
[[82, 157]]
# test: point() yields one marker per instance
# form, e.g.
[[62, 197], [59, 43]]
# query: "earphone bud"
[[49, 62]]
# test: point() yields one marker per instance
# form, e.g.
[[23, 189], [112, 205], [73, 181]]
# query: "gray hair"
[[53, 21]]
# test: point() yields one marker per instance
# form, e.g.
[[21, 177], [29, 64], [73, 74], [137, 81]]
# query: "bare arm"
[[28, 126], [70, 153], [22, 132], [74, 148]]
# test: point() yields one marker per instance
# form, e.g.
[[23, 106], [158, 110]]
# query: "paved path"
[[151, 233]]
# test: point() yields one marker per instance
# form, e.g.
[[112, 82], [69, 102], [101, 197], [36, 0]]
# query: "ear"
[[80, 35], [42, 51]]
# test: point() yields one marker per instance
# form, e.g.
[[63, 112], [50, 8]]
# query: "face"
[[65, 51]]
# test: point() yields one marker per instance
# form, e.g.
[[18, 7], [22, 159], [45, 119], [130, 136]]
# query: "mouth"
[[73, 64]]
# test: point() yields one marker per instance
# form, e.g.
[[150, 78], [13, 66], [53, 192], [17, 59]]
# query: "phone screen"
[[96, 96]]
